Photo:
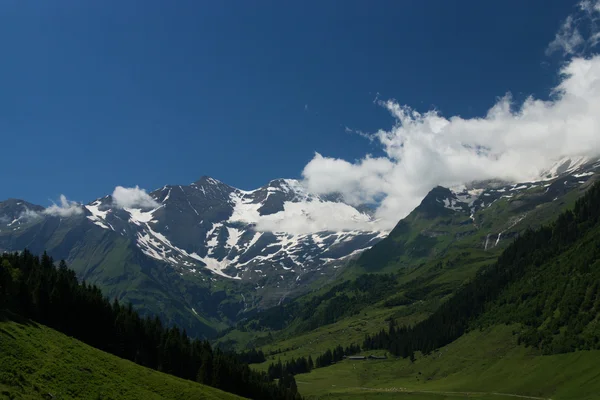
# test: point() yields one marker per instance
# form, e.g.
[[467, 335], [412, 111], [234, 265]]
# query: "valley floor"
[[480, 365], [38, 362]]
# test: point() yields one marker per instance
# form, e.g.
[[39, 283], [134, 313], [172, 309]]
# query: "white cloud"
[[568, 39], [29, 215], [66, 208], [132, 198], [514, 142], [314, 216], [579, 32]]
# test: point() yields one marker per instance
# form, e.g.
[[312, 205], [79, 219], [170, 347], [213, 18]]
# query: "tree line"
[[303, 365], [33, 287], [337, 354], [251, 356], [294, 366], [548, 280]]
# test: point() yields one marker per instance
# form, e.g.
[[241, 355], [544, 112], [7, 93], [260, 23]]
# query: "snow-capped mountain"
[[200, 255], [175, 253], [209, 225], [14, 213], [564, 175], [477, 220]]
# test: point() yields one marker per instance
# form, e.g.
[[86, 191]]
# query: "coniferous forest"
[[547, 280], [33, 287], [303, 365]]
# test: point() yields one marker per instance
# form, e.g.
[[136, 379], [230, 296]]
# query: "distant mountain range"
[[204, 235], [205, 254]]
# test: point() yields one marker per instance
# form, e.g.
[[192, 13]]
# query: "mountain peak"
[[287, 185], [207, 180], [9, 203], [433, 204]]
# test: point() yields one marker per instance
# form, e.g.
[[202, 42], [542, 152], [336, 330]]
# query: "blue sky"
[[99, 94]]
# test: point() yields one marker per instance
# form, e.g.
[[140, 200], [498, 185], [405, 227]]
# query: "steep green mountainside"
[[527, 325], [547, 280], [447, 224], [427, 257], [39, 362]]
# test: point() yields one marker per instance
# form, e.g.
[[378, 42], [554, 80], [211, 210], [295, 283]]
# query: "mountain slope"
[[526, 325], [39, 362], [207, 255], [547, 280], [438, 247], [193, 254], [482, 216]]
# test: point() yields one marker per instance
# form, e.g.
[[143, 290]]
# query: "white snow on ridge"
[[519, 187], [574, 164], [215, 265], [213, 241], [467, 196], [137, 216], [243, 209], [98, 217], [452, 205], [296, 187], [157, 246], [93, 208], [233, 236], [167, 196]]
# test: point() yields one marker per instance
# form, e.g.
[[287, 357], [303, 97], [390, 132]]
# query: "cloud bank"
[[512, 141], [66, 208], [133, 198], [314, 216]]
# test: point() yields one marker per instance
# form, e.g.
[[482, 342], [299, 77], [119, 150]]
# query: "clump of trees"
[[337, 354], [294, 366], [251, 356], [304, 365]]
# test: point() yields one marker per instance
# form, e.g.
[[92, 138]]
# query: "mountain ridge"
[[194, 255]]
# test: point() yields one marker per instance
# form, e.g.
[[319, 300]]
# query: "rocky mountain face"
[[201, 247], [209, 226]]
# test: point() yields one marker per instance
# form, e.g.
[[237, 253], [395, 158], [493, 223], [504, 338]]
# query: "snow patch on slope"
[[233, 236], [98, 217]]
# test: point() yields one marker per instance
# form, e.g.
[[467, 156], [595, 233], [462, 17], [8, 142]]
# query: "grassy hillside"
[[36, 361], [487, 364]]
